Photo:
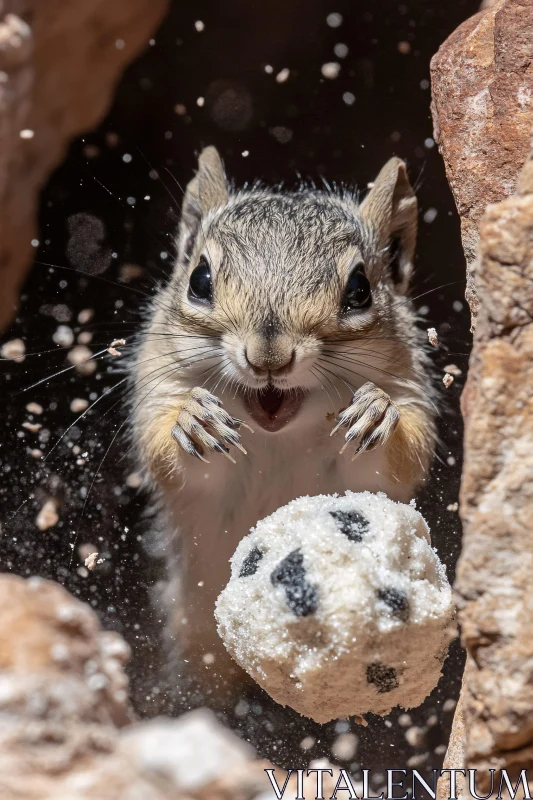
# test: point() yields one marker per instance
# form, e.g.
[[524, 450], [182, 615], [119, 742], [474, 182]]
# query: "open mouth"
[[272, 408]]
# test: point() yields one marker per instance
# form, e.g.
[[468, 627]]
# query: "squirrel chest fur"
[[281, 359]]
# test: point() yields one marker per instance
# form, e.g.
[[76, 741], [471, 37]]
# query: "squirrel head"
[[275, 276]]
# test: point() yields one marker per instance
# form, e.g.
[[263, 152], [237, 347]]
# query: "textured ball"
[[339, 606]]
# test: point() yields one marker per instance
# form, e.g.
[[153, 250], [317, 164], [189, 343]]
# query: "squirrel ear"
[[207, 191], [391, 208]]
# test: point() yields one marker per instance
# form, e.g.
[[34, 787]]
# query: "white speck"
[[245, 153], [78, 404], [127, 157], [433, 337], [334, 20], [35, 242], [199, 25], [453, 369], [430, 215], [26, 133], [180, 109], [429, 143], [208, 658], [341, 50], [348, 98], [151, 42], [447, 381], [457, 305], [146, 197], [119, 44], [63, 336], [34, 408], [200, 102], [131, 201], [14, 350], [404, 48], [283, 75], [269, 69], [330, 70], [424, 84]]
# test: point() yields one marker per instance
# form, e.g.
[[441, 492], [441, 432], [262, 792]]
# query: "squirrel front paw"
[[203, 425], [371, 417]]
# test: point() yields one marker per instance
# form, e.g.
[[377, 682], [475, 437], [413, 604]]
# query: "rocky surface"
[[58, 67], [492, 585], [66, 728], [482, 88]]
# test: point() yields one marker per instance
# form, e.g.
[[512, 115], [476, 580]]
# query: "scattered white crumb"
[[452, 507], [269, 69], [14, 350], [447, 380], [344, 747], [283, 75], [92, 560], [81, 358], [405, 720], [404, 48], [334, 20], [245, 153], [433, 337], [85, 316], [415, 736], [307, 743], [180, 109], [32, 426], [78, 405], [199, 25], [453, 369], [36, 453], [134, 480], [200, 102], [85, 337], [47, 516], [63, 336], [330, 70], [449, 704], [208, 658], [34, 408], [26, 133]]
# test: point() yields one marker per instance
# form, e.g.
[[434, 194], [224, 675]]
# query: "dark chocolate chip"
[[353, 524], [397, 602], [383, 677], [251, 563], [302, 598]]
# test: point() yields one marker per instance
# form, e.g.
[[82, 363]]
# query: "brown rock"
[[58, 66], [494, 571], [482, 87]]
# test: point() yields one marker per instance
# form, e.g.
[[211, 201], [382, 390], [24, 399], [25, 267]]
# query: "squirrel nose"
[[261, 363]]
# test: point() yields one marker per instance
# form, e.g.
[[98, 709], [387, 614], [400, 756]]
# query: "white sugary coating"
[[337, 623]]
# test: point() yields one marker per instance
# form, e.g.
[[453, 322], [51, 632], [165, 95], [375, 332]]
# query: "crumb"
[[208, 658], [415, 736], [330, 70], [283, 75], [36, 453], [32, 426], [85, 316], [447, 380], [14, 350], [80, 357], [47, 516], [344, 747], [133, 480], [200, 102], [199, 25], [78, 405], [405, 720], [128, 272], [307, 743], [404, 48], [92, 560], [63, 336], [34, 408], [449, 704], [85, 337], [453, 369], [452, 507], [433, 337]]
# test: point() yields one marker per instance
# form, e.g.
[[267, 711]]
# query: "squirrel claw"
[[203, 424], [371, 418]]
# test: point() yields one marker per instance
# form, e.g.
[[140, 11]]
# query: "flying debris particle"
[[245, 153], [447, 380], [34, 408], [433, 337], [92, 560], [26, 133], [348, 98], [334, 20], [330, 70], [47, 516], [14, 350], [134, 480], [430, 215], [453, 369], [63, 336], [269, 69], [199, 25], [32, 426], [81, 358], [85, 316], [200, 102], [404, 48], [341, 50], [283, 75], [78, 405], [180, 109]]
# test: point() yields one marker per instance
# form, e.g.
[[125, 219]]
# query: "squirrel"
[[285, 323]]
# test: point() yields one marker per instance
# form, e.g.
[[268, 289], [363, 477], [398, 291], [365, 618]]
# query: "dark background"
[[303, 126]]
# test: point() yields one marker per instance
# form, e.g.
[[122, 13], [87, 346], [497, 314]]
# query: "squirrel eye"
[[357, 293], [200, 282]]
